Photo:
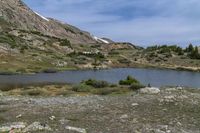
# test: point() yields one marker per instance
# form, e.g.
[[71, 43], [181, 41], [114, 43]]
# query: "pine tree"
[[195, 53], [190, 48]]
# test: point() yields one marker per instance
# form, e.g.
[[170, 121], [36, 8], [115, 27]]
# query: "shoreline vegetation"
[[127, 106], [99, 56], [168, 109], [87, 87], [55, 70]]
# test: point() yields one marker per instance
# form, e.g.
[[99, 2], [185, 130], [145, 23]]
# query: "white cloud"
[[152, 31], [138, 21]]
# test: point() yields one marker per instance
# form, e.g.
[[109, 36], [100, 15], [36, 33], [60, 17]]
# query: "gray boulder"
[[37, 126], [79, 130], [149, 90], [12, 126]]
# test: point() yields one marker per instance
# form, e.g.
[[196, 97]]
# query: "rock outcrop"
[[150, 90]]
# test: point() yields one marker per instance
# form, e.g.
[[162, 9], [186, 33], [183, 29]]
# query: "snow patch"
[[42, 16], [99, 39]]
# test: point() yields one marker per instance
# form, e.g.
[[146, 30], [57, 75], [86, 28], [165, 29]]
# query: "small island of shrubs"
[[132, 82], [87, 87], [103, 87]]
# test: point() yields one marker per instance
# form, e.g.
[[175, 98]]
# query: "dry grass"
[[66, 90], [48, 90]]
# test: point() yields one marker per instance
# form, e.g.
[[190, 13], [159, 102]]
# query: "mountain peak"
[[20, 16]]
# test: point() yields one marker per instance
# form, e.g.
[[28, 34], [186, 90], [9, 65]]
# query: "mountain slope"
[[30, 42], [22, 17]]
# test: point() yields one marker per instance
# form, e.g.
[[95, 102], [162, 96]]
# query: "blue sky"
[[142, 22]]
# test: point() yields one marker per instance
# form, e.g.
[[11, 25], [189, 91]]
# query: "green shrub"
[[136, 86], [21, 70], [152, 48], [36, 32], [65, 42], [34, 55], [95, 46], [106, 91], [124, 61], [23, 48], [195, 54], [180, 51], [50, 70], [96, 84], [34, 92], [2, 119], [65, 93], [81, 88], [112, 52], [129, 80], [113, 85], [153, 54], [9, 39], [79, 60], [68, 29], [157, 60]]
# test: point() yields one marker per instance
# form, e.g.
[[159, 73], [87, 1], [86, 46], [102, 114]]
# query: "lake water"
[[156, 77]]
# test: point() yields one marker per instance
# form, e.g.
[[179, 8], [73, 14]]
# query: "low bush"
[[9, 39], [21, 70], [96, 84], [2, 119], [136, 86], [81, 88], [113, 85], [113, 52], [153, 54], [34, 92], [106, 91], [65, 42], [64, 93], [50, 70], [124, 61], [129, 80]]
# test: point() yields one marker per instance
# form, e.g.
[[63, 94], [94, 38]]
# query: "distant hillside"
[[30, 42], [19, 16]]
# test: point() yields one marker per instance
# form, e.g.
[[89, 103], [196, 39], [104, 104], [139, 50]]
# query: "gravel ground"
[[172, 110]]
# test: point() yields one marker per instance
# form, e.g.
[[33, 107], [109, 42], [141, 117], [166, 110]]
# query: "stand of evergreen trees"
[[191, 51]]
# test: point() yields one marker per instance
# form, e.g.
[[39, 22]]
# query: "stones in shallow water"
[[37, 126], [149, 90], [79, 130]]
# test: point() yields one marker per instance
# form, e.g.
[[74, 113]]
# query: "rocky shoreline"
[[164, 110], [178, 68]]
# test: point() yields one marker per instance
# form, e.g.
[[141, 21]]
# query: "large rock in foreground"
[[150, 90]]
